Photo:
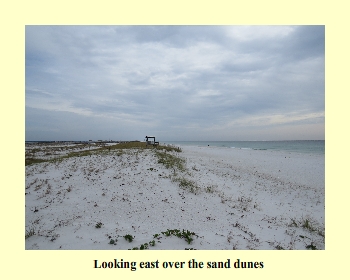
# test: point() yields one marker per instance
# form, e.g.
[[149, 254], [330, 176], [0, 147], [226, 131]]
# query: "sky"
[[178, 83]]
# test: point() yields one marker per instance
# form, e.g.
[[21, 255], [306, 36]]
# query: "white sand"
[[245, 199]]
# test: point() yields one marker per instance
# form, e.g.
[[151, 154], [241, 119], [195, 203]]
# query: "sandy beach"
[[201, 198]]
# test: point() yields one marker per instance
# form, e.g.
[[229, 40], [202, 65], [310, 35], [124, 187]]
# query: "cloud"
[[177, 81]]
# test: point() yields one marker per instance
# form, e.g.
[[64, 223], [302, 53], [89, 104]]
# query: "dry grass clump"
[[31, 160], [170, 161], [142, 145], [30, 232], [127, 145], [309, 225]]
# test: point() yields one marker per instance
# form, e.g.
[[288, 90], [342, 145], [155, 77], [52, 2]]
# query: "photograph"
[[175, 137]]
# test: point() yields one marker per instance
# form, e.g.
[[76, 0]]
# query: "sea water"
[[297, 146]]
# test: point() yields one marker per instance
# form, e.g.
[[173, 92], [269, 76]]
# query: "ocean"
[[296, 146]]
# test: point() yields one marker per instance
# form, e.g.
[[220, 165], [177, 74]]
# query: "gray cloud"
[[179, 82]]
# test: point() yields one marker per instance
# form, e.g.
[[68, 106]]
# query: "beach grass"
[[170, 161], [187, 184], [30, 232], [86, 150], [308, 225], [31, 160]]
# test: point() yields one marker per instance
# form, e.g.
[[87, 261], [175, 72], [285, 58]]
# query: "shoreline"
[[239, 199], [292, 146], [304, 168]]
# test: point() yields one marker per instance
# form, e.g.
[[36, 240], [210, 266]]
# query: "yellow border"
[[15, 261]]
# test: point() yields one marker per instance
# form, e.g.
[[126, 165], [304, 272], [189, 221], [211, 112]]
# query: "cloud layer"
[[176, 82]]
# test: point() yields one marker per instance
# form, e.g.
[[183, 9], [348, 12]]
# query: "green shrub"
[[98, 225], [128, 237]]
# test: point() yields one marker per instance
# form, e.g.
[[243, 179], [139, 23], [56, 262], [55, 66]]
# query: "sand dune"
[[219, 198]]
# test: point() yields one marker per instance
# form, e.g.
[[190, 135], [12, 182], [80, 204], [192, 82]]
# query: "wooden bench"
[[150, 142]]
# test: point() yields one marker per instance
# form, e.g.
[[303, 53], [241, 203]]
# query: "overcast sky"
[[175, 82]]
